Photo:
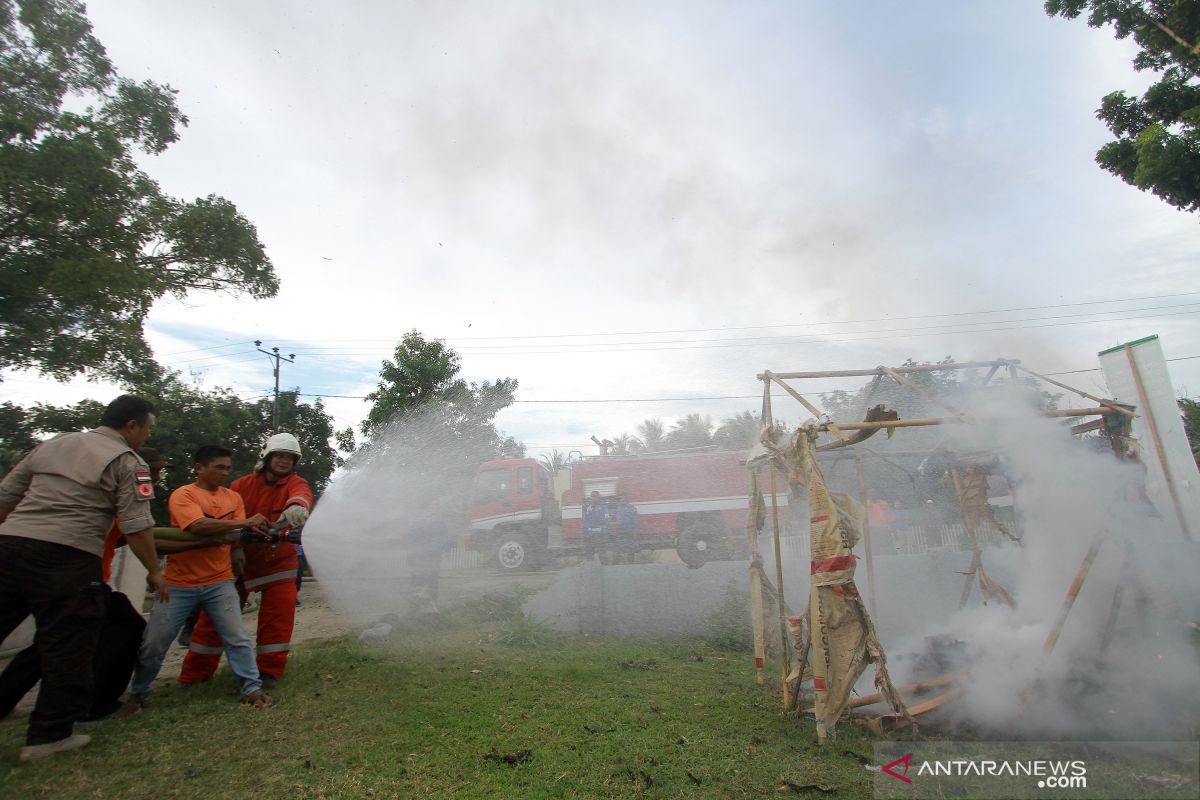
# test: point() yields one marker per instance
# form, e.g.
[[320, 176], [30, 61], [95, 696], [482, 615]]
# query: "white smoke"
[[1135, 676]]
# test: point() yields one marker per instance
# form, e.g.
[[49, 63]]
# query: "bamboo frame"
[[862, 493], [811, 408], [1107, 403], [858, 373]]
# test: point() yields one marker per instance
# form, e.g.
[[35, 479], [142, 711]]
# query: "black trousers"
[[61, 587], [116, 656]]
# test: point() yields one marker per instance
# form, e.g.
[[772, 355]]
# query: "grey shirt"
[[69, 489]]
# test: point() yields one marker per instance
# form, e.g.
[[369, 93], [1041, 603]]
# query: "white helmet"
[[279, 443]]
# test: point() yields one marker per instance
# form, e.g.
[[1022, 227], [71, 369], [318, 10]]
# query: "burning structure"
[[1032, 658]]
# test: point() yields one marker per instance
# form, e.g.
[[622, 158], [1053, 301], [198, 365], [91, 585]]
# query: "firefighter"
[[275, 491]]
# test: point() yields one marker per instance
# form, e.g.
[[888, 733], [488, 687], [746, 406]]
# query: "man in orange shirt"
[[203, 577], [277, 492]]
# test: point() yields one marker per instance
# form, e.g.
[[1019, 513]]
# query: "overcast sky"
[[654, 200]]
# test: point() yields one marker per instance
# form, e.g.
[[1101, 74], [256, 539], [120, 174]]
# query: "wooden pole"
[[924, 422], [1072, 593], [909, 688], [757, 613], [854, 373], [811, 408], [910, 383], [976, 555], [1106, 403], [862, 493], [785, 660], [757, 617], [1148, 415]]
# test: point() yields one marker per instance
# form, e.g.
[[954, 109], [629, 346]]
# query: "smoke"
[[377, 537], [1120, 669]]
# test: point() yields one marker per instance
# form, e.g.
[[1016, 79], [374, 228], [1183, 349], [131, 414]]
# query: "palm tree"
[[626, 445], [692, 431], [652, 434], [739, 432], [555, 462]]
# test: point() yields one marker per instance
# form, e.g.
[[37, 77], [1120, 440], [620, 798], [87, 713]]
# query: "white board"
[[1181, 475]]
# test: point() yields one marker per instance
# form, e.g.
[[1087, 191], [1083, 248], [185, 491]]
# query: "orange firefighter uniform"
[[271, 570]]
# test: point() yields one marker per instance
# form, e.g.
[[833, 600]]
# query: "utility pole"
[[275, 359]]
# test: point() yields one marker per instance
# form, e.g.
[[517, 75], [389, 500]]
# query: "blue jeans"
[[220, 600]]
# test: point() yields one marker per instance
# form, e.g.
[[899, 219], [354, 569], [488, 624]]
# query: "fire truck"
[[694, 503]]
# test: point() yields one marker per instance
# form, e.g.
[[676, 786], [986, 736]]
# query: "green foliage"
[[729, 626], [431, 427], [187, 418], [1191, 424], [1157, 145], [88, 241], [652, 434], [690, 432]]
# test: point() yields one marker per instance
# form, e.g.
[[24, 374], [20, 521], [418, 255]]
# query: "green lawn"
[[419, 718]]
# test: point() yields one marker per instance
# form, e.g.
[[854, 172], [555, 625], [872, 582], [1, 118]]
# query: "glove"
[[296, 515]]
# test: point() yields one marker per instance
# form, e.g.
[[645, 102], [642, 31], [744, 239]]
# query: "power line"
[[679, 399], [804, 324]]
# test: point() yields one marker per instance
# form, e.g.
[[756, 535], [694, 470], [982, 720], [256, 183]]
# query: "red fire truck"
[[694, 503]]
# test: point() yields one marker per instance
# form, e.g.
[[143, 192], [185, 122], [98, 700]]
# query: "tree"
[[1191, 424], [313, 427], [187, 418], [87, 240], [428, 425], [739, 432], [690, 432], [1157, 145], [652, 434], [554, 462]]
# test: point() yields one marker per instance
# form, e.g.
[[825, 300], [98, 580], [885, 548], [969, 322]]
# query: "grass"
[[435, 715]]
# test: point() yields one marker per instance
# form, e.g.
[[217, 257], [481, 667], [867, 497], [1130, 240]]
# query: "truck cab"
[[510, 512]]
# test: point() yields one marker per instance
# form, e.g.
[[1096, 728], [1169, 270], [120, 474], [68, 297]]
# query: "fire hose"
[[279, 533]]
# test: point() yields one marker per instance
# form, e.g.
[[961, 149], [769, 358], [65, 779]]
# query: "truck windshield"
[[491, 484]]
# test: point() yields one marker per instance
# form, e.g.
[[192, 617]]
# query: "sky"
[[641, 201]]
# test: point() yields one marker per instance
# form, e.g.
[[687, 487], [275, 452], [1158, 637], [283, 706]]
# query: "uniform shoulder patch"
[[145, 484]]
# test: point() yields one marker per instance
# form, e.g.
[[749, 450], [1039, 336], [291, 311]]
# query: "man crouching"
[[202, 576]]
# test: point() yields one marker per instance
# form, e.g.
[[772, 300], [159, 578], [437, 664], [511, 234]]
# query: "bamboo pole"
[[1106, 403], [991, 374], [1148, 415], [976, 555], [896, 376], [855, 373], [862, 493], [936, 702], [757, 615], [784, 656], [811, 408], [918, 687], [924, 422], [1072, 593]]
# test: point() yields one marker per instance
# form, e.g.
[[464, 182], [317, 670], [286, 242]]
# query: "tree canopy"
[[1157, 145], [187, 418], [428, 426], [88, 241]]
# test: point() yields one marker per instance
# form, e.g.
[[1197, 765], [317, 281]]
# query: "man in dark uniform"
[[56, 508]]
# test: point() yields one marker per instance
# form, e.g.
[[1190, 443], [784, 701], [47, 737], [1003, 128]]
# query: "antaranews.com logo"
[[985, 770], [1047, 773]]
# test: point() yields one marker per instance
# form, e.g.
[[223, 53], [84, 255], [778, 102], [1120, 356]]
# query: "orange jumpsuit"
[[270, 569]]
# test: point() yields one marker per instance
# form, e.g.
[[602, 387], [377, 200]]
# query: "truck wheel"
[[699, 542], [514, 554]]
